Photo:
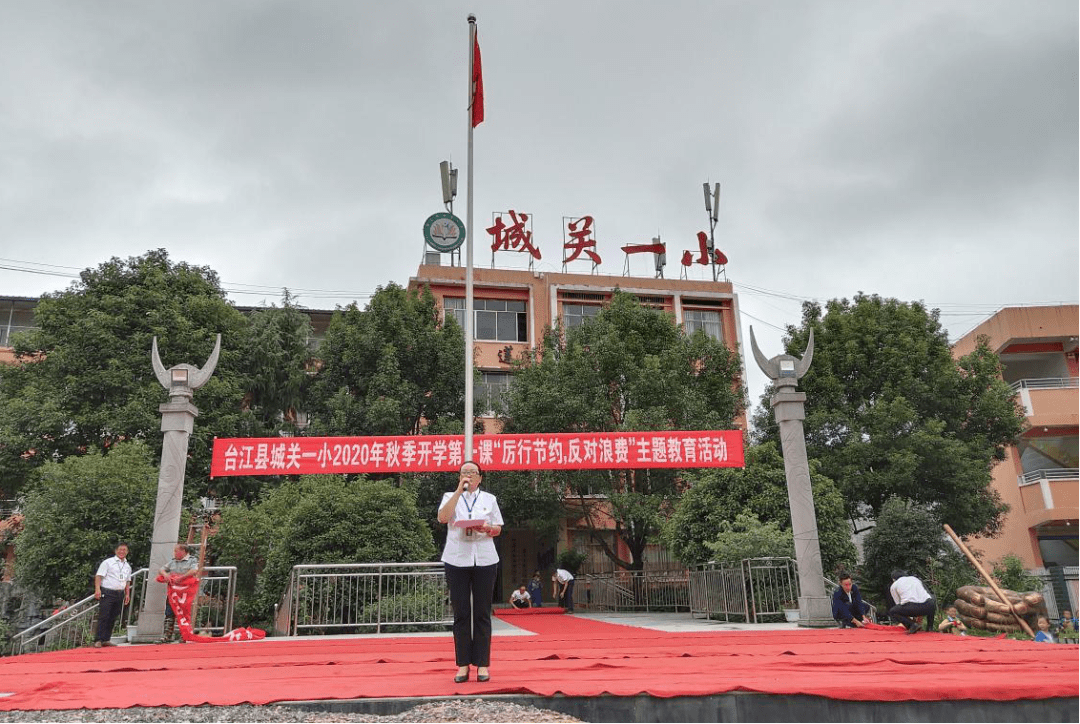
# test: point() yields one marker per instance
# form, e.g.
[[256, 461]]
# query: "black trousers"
[[112, 602], [905, 611], [472, 590], [566, 600]]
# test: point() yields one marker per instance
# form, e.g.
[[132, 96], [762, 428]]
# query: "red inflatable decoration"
[[183, 589]]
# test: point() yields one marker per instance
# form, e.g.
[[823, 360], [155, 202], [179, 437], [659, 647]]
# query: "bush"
[[76, 512], [907, 536], [318, 519], [1009, 573], [571, 560], [747, 537]]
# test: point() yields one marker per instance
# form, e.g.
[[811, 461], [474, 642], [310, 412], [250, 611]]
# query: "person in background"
[[471, 563], [912, 599], [536, 590], [1044, 636], [952, 623], [182, 562], [112, 587], [563, 588], [520, 598], [1066, 630], [848, 608]]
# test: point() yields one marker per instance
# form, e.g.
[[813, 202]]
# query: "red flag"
[[478, 86]]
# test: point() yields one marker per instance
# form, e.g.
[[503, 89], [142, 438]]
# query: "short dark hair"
[[898, 573], [843, 576], [472, 462]]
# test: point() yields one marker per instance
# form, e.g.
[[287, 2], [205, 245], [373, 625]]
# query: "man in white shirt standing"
[[911, 599], [112, 587], [563, 588]]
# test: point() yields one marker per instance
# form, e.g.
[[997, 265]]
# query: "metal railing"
[[1033, 476], [774, 585], [1046, 383], [76, 624], [346, 598], [747, 589], [719, 590], [634, 591]]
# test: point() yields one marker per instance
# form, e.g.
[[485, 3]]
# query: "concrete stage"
[[597, 667]]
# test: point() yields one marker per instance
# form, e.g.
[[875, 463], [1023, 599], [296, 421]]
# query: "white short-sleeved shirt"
[[477, 549], [909, 589], [563, 576], [115, 573], [520, 596]]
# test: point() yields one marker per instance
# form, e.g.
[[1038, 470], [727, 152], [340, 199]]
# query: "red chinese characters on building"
[[581, 240], [703, 256], [514, 237]]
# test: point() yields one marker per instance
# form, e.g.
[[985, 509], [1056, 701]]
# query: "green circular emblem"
[[444, 232]]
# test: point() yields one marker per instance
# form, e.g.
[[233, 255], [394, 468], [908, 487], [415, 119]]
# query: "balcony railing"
[[1046, 383], [1034, 476]]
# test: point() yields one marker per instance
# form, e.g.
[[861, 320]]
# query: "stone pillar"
[[815, 608], [789, 408], [177, 422]]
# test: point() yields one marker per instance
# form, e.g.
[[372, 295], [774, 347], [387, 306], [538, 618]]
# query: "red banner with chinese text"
[[440, 453]]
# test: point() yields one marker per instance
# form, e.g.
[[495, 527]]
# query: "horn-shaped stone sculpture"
[[196, 377], [177, 421], [789, 408]]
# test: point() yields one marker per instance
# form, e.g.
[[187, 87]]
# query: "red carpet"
[[568, 655]]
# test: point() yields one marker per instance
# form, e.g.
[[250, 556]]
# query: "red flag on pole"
[[478, 85]]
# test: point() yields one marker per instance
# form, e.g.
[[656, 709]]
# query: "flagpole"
[[468, 451]]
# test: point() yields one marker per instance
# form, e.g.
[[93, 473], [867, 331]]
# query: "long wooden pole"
[[989, 579]]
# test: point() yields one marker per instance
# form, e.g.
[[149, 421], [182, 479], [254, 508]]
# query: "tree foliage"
[[276, 357], [83, 379], [889, 412], [910, 537], [719, 495], [316, 519], [390, 369], [629, 368], [747, 537], [77, 511]]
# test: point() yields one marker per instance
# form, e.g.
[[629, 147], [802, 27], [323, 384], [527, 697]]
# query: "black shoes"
[[462, 678], [913, 628], [482, 677]]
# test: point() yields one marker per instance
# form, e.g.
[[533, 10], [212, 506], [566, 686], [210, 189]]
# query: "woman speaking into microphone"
[[471, 565]]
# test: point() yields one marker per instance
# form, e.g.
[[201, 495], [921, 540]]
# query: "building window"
[[493, 390], [495, 320], [574, 315], [705, 320]]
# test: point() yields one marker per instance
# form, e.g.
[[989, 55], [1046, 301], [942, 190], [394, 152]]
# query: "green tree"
[[629, 368], [83, 379], [316, 519], [77, 511], [910, 537], [889, 412], [276, 359], [391, 369], [718, 495], [747, 537]]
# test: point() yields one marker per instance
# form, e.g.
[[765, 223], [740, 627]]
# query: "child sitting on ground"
[[1044, 635], [952, 622]]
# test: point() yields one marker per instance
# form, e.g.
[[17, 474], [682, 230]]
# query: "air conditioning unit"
[[433, 258]]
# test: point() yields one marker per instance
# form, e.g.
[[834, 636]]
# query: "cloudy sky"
[[918, 150]]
